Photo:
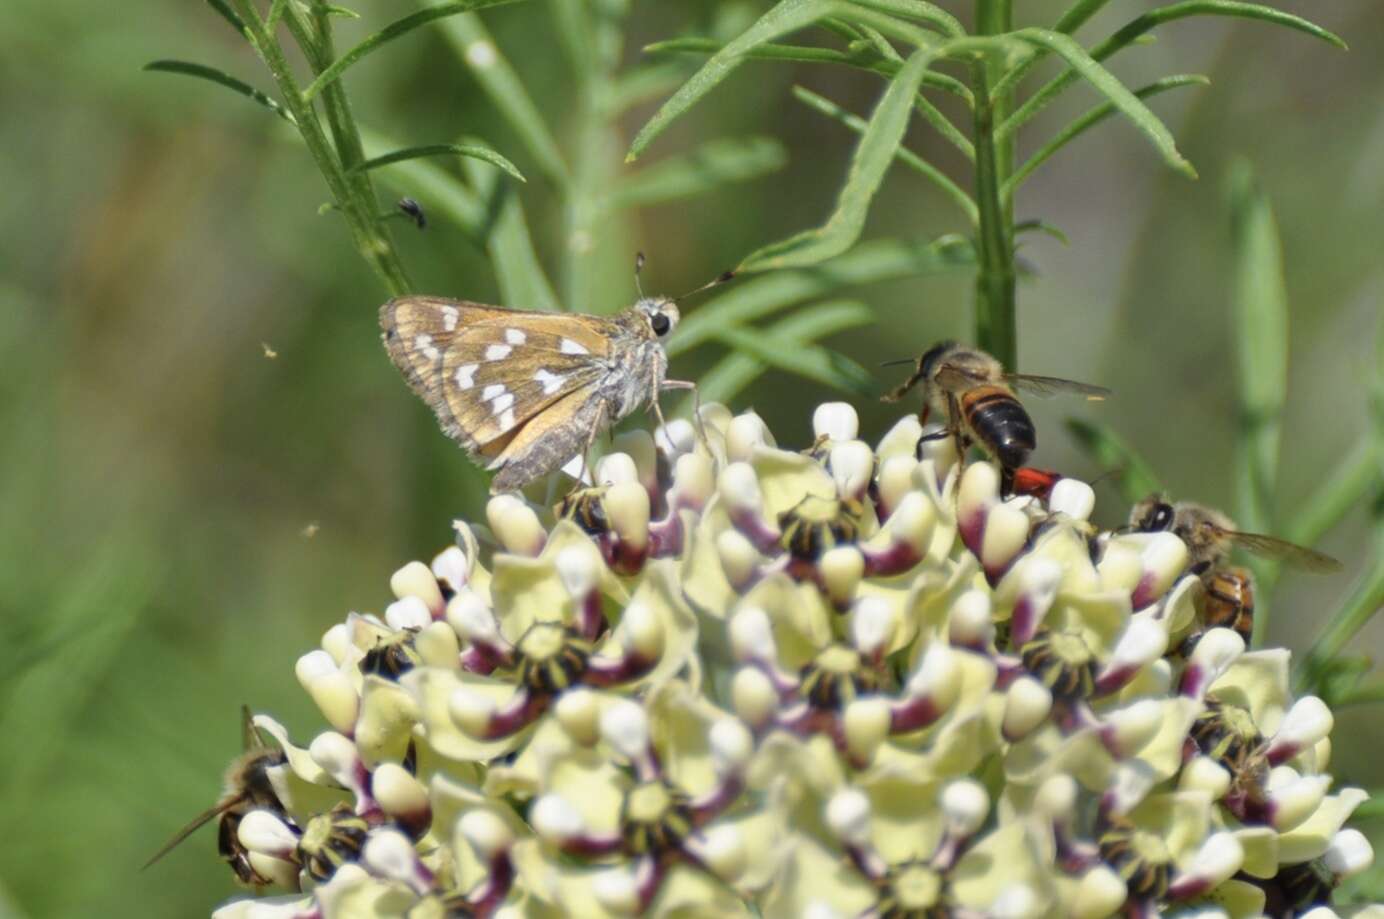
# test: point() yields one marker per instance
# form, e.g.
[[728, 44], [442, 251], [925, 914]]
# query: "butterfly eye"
[[660, 324]]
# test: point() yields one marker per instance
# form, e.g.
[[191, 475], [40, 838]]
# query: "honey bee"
[[1209, 536], [247, 787], [977, 395]]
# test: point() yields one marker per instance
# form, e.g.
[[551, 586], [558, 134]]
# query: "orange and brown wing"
[[417, 333], [1284, 551]]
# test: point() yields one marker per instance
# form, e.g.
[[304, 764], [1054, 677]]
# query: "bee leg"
[[954, 424]]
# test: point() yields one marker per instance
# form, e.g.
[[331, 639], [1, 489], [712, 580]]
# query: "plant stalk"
[[995, 320], [355, 199]]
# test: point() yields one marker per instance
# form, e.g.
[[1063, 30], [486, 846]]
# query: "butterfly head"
[[660, 314]]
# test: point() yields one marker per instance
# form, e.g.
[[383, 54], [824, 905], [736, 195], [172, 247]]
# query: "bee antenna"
[[638, 267], [717, 281], [896, 363]]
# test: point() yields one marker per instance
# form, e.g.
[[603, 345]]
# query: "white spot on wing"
[[552, 382], [503, 402], [491, 391], [497, 352], [450, 315], [423, 342], [507, 420], [572, 347], [515, 336], [466, 375]]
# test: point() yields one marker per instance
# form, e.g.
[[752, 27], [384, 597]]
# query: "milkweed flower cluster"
[[733, 679]]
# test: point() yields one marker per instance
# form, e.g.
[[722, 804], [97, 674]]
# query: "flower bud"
[[468, 615], [1213, 655], [408, 613], [836, 421], [451, 567], [1006, 531], [486, 833], [841, 569], [731, 746], [642, 632], [1128, 730], [1072, 497], [965, 804], [873, 625], [1308, 721], [390, 854], [970, 625], [752, 635], [555, 820], [337, 642], [722, 849], [1348, 853], [1026, 706], [1142, 643], [739, 558], [416, 580], [330, 689], [263, 832], [852, 466], [625, 726], [617, 891], [401, 796], [579, 569], [848, 816], [1037, 580], [578, 711], [745, 433], [978, 492], [1219, 857], [938, 677], [1293, 801], [515, 525], [677, 438], [1163, 559], [1203, 773], [895, 480], [694, 481], [1099, 894], [753, 697], [865, 725], [471, 711], [616, 468]]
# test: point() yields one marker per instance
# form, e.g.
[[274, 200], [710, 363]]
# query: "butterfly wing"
[[509, 385]]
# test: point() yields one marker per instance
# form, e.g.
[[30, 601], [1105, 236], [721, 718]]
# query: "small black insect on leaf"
[[414, 211]]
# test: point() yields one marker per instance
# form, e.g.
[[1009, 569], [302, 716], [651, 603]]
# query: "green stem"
[[356, 202], [995, 323]]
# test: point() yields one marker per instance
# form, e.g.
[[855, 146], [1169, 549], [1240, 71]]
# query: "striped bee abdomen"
[[999, 422], [1230, 601]]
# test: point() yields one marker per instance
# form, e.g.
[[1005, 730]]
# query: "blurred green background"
[[184, 515]]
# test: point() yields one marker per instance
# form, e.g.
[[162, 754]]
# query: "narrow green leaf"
[[1132, 32], [729, 376], [523, 281], [340, 11], [229, 15], [1041, 226], [710, 166], [1109, 85], [813, 55], [928, 13], [786, 16], [1089, 120], [808, 361], [389, 33], [904, 155], [640, 84], [221, 78], [1077, 15], [276, 12], [474, 45], [871, 160], [878, 260], [1135, 477], [474, 151]]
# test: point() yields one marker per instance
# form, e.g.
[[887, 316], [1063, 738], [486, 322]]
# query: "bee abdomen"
[[1000, 423], [1230, 601]]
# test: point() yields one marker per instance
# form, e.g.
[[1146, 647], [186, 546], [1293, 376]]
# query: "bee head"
[[1152, 515], [928, 362], [660, 313]]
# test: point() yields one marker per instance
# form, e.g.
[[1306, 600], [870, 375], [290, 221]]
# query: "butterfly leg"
[[696, 408]]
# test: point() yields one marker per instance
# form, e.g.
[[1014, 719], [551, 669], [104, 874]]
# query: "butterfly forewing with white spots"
[[527, 391]]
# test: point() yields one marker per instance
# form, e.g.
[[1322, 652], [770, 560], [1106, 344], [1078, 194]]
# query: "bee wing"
[[1050, 386], [957, 377], [193, 826], [1284, 551]]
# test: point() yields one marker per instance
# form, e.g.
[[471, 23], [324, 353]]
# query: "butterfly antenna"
[[638, 267], [717, 281]]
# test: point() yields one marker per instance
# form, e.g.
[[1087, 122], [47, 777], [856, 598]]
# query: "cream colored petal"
[[801, 619], [589, 782], [286, 907], [452, 800], [658, 592], [786, 478], [301, 785], [1261, 850], [523, 777], [353, 894], [385, 725], [1309, 839], [933, 593], [1258, 681], [478, 578], [702, 578], [1181, 819], [813, 876], [1239, 899], [1006, 857], [432, 689]]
